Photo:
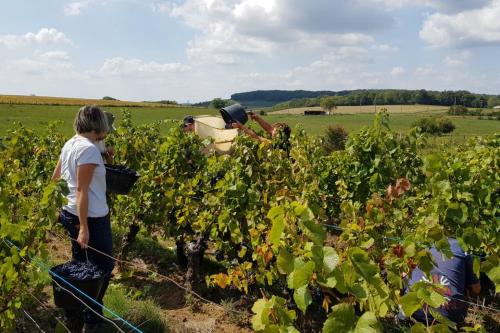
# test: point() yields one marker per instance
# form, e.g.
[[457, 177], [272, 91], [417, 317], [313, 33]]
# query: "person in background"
[[86, 214], [279, 132], [188, 124], [107, 152], [456, 277]]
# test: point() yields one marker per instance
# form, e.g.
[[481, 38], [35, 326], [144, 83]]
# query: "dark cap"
[[188, 120]]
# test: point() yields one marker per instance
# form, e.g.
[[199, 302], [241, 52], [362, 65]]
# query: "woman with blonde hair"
[[86, 215]]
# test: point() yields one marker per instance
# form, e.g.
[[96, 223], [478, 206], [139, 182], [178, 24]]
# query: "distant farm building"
[[314, 113], [496, 107]]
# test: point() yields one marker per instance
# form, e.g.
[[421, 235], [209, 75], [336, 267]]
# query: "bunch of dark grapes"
[[79, 270]]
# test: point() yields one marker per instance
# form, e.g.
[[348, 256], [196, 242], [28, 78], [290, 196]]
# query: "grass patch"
[[36, 117], [144, 314], [151, 249], [317, 125], [233, 313]]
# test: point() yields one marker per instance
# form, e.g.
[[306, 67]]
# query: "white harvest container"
[[214, 127]]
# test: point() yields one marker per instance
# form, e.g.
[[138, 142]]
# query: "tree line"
[[301, 98]]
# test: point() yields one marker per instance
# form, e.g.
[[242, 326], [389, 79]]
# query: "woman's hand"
[[110, 150], [109, 153], [83, 237]]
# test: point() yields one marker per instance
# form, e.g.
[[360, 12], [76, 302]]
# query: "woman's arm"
[[57, 171], [264, 124], [84, 174]]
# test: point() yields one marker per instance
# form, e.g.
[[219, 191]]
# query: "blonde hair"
[[91, 118]]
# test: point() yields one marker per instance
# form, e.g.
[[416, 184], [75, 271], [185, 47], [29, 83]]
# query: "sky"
[[196, 50]]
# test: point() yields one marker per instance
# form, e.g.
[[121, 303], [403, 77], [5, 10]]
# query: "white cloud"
[[162, 7], [455, 6], [456, 59], [121, 66], [11, 41], [44, 36], [47, 36], [446, 6], [49, 65], [53, 73], [40, 67], [342, 68], [58, 56], [424, 70], [385, 48], [230, 28], [75, 8], [465, 29], [398, 71]]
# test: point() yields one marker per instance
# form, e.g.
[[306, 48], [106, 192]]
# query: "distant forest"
[[282, 99]]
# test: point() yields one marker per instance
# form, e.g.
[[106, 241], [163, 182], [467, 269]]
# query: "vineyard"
[[46, 100], [317, 242]]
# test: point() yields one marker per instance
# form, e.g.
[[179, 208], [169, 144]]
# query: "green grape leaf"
[[418, 328], [410, 303], [432, 163], [261, 315], [368, 323], [494, 275], [272, 329], [302, 298], [301, 275], [442, 319], [330, 259], [457, 212], [276, 215], [315, 232], [285, 262], [329, 282], [342, 319]]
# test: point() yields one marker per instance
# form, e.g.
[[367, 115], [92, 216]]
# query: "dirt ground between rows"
[[182, 317]]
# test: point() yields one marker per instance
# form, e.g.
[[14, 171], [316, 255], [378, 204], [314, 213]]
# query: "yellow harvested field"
[[370, 109], [44, 100]]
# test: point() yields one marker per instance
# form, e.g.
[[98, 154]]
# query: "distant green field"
[[466, 127], [399, 122], [37, 116]]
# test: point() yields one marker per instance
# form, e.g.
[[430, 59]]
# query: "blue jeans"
[[100, 238]]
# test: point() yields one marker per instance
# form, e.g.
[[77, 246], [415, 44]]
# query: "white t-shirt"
[[79, 151], [101, 146]]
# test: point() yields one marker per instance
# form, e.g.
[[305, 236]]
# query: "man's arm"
[[247, 131], [264, 124], [475, 288]]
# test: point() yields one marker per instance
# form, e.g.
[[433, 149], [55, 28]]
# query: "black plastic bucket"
[[120, 179], [234, 112], [72, 297]]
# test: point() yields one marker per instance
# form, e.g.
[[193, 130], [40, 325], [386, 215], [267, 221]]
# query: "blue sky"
[[194, 50]]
